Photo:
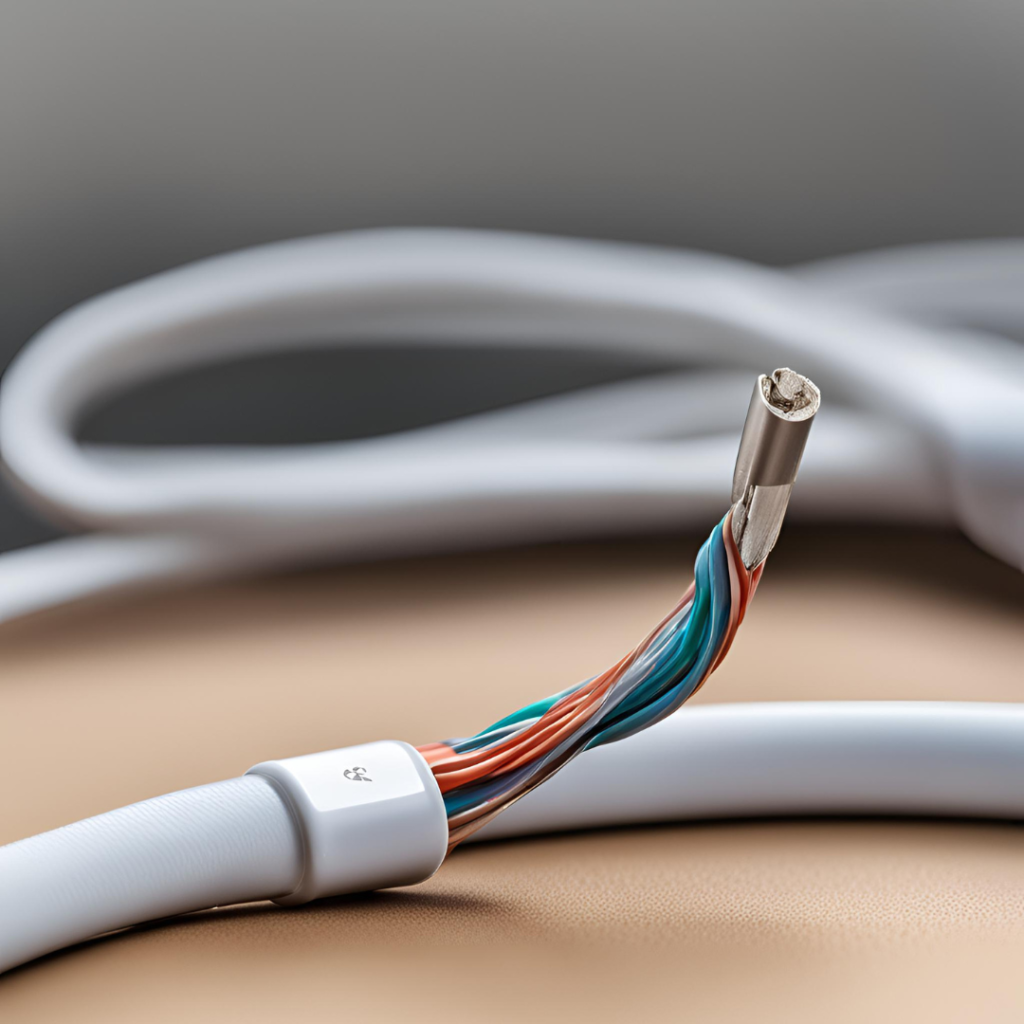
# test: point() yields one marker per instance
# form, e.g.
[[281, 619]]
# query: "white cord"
[[923, 424], [765, 760], [230, 842], [242, 840]]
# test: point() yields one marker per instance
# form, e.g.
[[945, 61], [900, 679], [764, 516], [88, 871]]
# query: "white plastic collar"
[[371, 817]]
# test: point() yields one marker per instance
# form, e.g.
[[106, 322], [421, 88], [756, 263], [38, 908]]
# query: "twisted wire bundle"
[[481, 775]]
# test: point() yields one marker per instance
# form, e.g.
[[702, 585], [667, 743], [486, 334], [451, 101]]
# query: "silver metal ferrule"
[[779, 419]]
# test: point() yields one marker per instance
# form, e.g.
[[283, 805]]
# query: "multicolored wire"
[[483, 774]]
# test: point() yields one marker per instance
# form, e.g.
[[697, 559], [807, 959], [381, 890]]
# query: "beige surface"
[[118, 700]]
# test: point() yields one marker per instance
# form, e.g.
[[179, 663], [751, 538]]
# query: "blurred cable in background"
[[143, 136], [927, 425]]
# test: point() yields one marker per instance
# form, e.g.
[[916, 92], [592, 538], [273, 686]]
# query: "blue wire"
[[687, 648]]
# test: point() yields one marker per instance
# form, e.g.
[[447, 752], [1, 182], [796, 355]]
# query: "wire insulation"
[[229, 842], [936, 759], [482, 775]]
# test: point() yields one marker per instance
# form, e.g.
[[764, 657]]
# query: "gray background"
[[135, 136]]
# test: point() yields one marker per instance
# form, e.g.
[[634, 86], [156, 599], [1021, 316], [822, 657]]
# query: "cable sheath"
[[814, 758], [229, 842]]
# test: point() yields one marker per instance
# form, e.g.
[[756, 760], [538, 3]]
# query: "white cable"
[[291, 830], [967, 284], [930, 426], [230, 842], [924, 424], [249, 839], [765, 760]]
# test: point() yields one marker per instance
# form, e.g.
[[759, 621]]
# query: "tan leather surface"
[[117, 700]]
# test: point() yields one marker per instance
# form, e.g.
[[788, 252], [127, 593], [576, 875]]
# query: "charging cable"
[[385, 814], [927, 426]]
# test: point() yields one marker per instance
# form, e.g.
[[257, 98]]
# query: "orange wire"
[[452, 770]]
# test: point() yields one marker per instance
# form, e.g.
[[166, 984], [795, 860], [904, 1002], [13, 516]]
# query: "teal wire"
[[686, 650]]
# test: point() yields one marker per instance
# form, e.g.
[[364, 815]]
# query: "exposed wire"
[[481, 775]]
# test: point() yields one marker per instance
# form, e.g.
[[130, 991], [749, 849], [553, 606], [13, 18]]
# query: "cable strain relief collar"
[[370, 817]]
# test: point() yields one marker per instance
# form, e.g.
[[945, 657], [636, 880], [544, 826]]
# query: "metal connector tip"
[[779, 419], [790, 394]]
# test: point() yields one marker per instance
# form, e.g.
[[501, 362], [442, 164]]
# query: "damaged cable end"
[[779, 419]]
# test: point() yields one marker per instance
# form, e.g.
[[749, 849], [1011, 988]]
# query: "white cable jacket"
[[750, 760], [229, 842], [235, 841], [924, 423]]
